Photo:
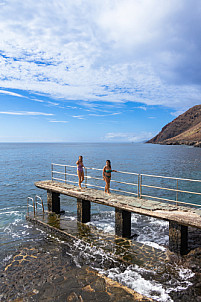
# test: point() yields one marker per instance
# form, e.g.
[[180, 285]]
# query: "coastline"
[[46, 271], [48, 274], [178, 143]]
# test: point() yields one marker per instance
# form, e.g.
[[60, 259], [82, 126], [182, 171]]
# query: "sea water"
[[24, 163]]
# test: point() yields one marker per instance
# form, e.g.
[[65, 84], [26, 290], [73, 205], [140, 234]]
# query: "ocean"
[[22, 164]]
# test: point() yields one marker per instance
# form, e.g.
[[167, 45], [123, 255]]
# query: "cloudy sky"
[[96, 70]]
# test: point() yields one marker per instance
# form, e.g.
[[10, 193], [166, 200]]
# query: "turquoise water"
[[23, 164]]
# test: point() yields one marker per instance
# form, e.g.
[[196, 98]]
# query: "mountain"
[[184, 130]]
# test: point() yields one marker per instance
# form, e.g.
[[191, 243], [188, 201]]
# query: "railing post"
[[34, 207], [177, 194], [42, 206], [35, 201], [65, 174], [140, 186], [52, 172], [85, 177]]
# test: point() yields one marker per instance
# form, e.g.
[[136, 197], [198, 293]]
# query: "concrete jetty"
[[179, 217]]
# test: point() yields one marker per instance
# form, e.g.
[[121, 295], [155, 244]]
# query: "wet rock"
[[73, 297], [99, 285], [88, 288]]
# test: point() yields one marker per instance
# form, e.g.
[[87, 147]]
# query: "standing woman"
[[107, 175], [80, 170]]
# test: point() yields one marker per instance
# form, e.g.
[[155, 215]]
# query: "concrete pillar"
[[122, 223], [53, 201], [83, 210], [178, 238]]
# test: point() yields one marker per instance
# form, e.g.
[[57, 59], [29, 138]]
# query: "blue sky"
[[96, 71]]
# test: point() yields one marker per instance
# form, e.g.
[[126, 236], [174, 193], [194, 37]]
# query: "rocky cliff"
[[184, 130]]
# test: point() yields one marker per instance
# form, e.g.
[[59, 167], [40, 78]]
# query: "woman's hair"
[[81, 157], [109, 163]]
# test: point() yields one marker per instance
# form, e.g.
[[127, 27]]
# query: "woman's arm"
[[104, 173]]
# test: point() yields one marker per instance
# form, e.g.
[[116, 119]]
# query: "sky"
[[96, 71]]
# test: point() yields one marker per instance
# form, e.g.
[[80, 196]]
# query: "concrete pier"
[[179, 217], [53, 201], [178, 238], [83, 210], [122, 223]]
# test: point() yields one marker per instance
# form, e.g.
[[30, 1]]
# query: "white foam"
[[105, 227], [7, 258], [159, 222], [10, 208], [134, 218], [132, 278], [41, 231], [11, 213], [27, 226], [70, 217], [185, 273], [154, 245]]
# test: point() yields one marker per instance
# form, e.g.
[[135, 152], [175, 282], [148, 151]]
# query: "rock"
[[184, 130], [73, 298], [88, 288]]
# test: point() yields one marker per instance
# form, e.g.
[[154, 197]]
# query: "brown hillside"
[[185, 129]]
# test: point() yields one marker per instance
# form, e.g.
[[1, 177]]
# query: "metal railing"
[[137, 187], [30, 205], [35, 202]]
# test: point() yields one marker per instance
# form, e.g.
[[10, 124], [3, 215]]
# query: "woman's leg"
[[79, 178], [107, 187], [82, 176]]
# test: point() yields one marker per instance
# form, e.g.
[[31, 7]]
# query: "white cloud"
[[12, 93], [79, 117], [128, 137], [64, 122], [103, 115], [25, 113], [37, 100], [116, 113], [178, 112], [53, 103], [110, 50]]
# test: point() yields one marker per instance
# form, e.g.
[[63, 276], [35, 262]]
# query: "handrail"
[[139, 184], [40, 204], [169, 189], [29, 205], [35, 203], [169, 177]]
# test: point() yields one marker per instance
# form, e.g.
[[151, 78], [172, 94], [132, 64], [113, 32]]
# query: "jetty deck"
[[187, 216], [179, 217]]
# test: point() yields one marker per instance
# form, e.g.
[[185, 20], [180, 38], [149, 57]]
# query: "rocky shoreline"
[[45, 271], [48, 274], [187, 143]]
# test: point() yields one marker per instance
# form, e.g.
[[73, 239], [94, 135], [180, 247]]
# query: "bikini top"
[[108, 171]]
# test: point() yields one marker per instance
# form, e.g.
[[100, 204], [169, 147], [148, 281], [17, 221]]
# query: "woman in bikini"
[[107, 175], [80, 170]]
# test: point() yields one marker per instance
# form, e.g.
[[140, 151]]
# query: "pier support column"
[[53, 201], [83, 210], [178, 238], [122, 223]]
